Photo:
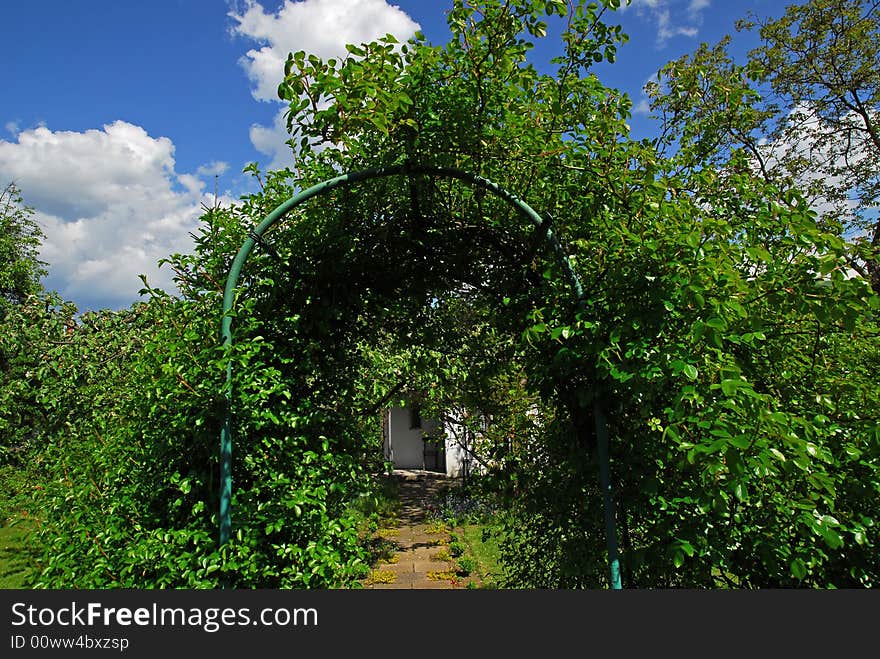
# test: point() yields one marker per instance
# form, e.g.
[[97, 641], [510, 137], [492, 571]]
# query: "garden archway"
[[406, 169]]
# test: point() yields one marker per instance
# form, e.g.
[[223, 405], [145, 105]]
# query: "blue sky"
[[118, 117]]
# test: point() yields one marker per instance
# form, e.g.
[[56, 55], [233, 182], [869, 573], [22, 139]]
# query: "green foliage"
[[20, 341], [465, 565], [20, 237], [19, 555], [125, 410], [483, 546]]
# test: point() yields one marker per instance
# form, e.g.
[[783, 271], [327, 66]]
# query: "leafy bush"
[[466, 565]]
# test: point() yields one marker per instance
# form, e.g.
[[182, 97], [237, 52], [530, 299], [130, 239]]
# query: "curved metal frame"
[[350, 178]]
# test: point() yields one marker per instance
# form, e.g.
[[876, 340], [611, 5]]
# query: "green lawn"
[[18, 558], [18, 553], [484, 548]]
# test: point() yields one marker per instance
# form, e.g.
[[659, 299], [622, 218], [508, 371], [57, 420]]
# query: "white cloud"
[[13, 128], [272, 141], [666, 30], [641, 4], [822, 161], [111, 205], [672, 18], [215, 168], [319, 27], [642, 107]]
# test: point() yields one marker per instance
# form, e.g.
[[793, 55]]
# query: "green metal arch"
[[405, 169]]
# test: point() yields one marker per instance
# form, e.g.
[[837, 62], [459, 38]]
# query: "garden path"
[[414, 541]]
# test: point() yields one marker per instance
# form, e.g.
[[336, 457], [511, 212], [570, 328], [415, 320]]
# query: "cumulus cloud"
[[272, 141], [319, 27], [821, 162], [111, 205]]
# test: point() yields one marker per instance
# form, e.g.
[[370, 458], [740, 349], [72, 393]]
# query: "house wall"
[[405, 446], [459, 461]]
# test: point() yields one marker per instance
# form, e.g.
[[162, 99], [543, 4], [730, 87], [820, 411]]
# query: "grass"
[[19, 558], [483, 548], [473, 543]]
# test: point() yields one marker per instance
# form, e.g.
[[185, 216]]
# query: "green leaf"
[[690, 371], [779, 455], [741, 442], [832, 537], [730, 386]]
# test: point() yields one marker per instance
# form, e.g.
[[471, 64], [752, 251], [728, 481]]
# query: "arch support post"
[[226, 469], [607, 499]]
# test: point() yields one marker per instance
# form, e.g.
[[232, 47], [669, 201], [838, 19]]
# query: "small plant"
[[445, 575], [456, 548], [458, 506], [381, 576], [382, 550], [466, 565], [436, 527], [442, 555]]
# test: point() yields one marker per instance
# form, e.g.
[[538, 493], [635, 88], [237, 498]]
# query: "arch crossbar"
[[405, 169]]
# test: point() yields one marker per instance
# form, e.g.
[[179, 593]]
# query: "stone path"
[[412, 542]]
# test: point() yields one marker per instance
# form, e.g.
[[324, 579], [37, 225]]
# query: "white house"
[[411, 442]]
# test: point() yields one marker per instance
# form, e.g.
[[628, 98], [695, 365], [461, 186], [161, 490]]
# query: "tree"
[[813, 115], [20, 290], [20, 239]]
